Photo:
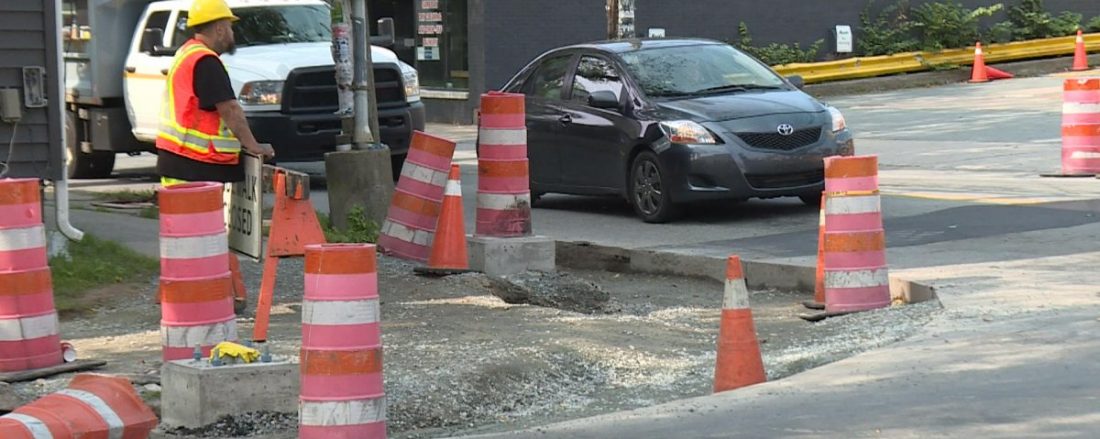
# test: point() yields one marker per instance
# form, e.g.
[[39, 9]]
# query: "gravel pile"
[[255, 424]]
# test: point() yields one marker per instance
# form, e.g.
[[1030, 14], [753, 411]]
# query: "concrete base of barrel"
[[195, 394], [504, 256]]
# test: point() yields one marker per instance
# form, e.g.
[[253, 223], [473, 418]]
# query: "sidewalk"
[[1013, 355]]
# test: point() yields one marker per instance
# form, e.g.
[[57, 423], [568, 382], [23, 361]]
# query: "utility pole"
[[361, 177]]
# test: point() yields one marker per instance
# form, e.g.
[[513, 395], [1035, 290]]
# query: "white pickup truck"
[[118, 53]]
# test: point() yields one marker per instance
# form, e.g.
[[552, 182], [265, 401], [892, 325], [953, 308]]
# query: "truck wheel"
[[78, 164]]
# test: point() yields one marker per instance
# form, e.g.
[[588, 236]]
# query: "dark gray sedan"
[[665, 122]]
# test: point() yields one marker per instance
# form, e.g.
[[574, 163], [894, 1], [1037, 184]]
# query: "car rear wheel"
[[648, 190]]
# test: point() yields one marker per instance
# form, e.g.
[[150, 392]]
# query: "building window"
[[441, 44]]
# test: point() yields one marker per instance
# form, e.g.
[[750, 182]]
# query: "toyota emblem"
[[785, 129]]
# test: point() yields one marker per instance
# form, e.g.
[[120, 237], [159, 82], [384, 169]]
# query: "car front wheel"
[[649, 190]]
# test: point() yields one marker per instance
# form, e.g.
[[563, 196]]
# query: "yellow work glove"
[[230, 349]]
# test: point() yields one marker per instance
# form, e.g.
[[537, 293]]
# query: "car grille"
[[313, 89], [779, 142], [780, 181]]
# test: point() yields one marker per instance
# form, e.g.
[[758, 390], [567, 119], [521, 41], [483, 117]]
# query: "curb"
[[1022, 69], [758, 275]]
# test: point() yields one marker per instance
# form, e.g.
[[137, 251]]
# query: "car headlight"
[[412, 85], [686, 131], [262, 93], [839, 124]]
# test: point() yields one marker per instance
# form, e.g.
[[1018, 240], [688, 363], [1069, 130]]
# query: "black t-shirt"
[[212, 87]]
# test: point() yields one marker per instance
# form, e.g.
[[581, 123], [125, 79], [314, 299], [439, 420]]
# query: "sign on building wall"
[[429, 26]]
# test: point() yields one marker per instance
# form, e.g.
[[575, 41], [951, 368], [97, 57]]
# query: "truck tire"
[[79, 164]]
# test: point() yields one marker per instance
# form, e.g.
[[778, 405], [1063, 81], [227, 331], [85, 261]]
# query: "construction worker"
[[202, 127]]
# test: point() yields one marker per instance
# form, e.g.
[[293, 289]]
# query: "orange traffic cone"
[[979, 73], [1080, 55], [449, 255], [994, 74], [739, 363]]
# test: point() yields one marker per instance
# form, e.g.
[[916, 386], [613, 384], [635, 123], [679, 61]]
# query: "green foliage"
[[949, 25], [888, 32], [777, 54], [1029, 21], [360, 228], [1093, 25], [127, 196], [946, 25], [94, 263]]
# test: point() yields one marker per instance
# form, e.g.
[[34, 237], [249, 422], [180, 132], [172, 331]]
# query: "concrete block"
[[195, 394], [360, 178], [504, 256]]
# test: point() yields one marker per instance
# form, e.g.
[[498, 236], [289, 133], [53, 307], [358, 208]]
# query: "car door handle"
[[131, 69], [566, 119], [164, 72]]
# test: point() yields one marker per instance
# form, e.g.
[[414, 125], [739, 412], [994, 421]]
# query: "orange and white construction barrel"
[[856, 274], [29, 330], [417, 200], [1081, 127], [341, 358], [92, 407], [196, 286], [503, 184]]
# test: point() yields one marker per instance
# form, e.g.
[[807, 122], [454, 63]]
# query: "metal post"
[[366, 124]]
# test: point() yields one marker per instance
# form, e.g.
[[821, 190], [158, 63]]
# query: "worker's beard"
[[230, 48]]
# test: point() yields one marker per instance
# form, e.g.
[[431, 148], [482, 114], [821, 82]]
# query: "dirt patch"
[[460, 360]]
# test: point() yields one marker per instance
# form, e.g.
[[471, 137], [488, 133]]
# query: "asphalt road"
[[949, 157]]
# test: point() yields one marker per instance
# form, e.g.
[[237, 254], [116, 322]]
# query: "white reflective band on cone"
[[857, 278], [37, 427], [357, 312], [23, 238], [194, 247], [489, 136], [114, 423], [424, 174], [333, 413], [502, 201], [28, 328]]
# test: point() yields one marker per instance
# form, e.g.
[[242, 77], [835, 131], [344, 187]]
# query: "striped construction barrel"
[[93, 406], [341, 358], [196, 287], [29, 333], [1081, 127], [410, 222], [856, 275], [503, 179]]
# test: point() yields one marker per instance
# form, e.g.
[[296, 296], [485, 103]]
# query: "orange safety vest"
[[186, 129]]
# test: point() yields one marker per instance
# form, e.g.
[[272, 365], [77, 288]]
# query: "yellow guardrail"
[[871, 66]]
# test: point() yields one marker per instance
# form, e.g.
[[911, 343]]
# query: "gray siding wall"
[[516, 31], [505, 35], [28, 38], [787, 21]]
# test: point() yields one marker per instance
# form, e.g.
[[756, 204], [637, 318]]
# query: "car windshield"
[[282, 24], [695, 70]]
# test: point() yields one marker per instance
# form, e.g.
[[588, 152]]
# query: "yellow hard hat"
[[205, 11]]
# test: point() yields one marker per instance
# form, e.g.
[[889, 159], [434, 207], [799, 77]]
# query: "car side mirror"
[[603, 99], [797, 81], [151, 41], [386, 35]]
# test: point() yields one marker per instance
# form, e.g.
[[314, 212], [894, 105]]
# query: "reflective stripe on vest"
[[186, 129]]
